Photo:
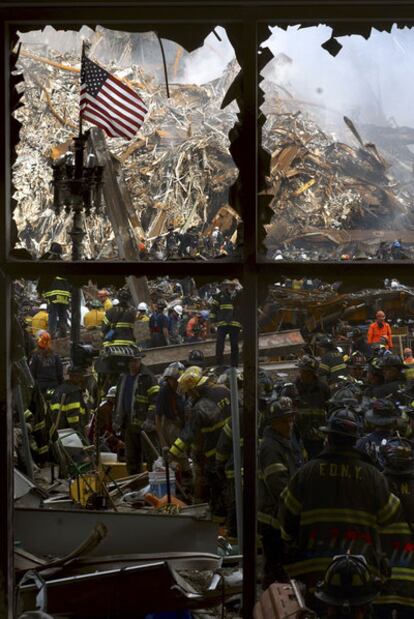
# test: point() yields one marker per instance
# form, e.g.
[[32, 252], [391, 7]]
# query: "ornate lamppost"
[[77, 188]]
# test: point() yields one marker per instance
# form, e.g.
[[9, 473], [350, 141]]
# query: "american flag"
[[108, 103]]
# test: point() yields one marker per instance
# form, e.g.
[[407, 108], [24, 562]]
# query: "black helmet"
[[308, 363], [325, 342], [382, 412], [356, 359], [342, 422], [124, 297], [398, 457], [196, 357], [391, 361], [347, 582], [279, 407], [291, 391]]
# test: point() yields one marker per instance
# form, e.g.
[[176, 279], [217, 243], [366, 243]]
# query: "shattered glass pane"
[[340, 135], [174, 174]]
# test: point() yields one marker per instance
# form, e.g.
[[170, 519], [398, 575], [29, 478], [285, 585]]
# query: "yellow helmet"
[[191, 378]]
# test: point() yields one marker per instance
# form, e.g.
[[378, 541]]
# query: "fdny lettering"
[[340, 470]]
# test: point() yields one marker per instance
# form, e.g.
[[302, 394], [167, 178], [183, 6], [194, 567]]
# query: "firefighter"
[[335, 502], [313, 395], [209, 411], [379, 328], [395, 376], [348, 588], [135, 404], [67, 404], [332, 363], [118, 323], [356, 365], [225, 315], [95, 316], [276, 466], [58, 296], [397, 595], [40, 320], [383, 417], [169, 412], [103, 419], [45, 365], [174, 323], [159, 326], [408, 356]]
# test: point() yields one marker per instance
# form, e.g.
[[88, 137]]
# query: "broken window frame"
[[254, 270]]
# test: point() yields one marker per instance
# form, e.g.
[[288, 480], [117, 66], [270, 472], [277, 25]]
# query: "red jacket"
[[375, 332]]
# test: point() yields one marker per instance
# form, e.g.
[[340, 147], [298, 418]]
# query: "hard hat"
[[191, 378], [115, 302], [308, 363], [342, 422], [135, 352], [347, 582], [43, 339], [325, 342], [196, 357], [204, 314], [111, 392], [178, 309], [382, 412], [124, 297], [142, 307], [398, 456], [174, 370], [279, 408], [43, 306]]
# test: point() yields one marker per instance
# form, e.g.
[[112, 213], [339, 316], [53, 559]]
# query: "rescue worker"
[[277, 464], [102, 422], [408, 356], [118, 323], [225, 316], [356, 365], [40, 320], [135, 403], [67, 404], [382, 416], [171, 242], [58, 296], [103, 296], [379, 328], [196, 329], [313, 395], [331, 364], [210, 408], [348, 588], [169, 412], [196, 357], [335, 503], [397, 594], [142, 315], [395, 376], [359, 343], [95, 316], [174, 322], [45, 365], [159, 326]]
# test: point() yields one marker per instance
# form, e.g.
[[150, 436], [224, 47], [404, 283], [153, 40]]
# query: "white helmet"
[[178, 309], [115, 301], [175, 369], [142, 307], [111, 392], [43, 306]]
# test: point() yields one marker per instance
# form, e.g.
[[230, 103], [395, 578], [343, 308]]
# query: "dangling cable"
[[165, 65]]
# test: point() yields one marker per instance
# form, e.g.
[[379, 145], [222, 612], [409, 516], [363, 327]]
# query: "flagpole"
[[80, 113]]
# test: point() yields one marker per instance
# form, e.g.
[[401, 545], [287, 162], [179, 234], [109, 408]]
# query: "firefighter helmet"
[[196, 357], [347, 582], [174, 370], [382, 412], [43, 339], [398, 456], [356, 359], [391, 361], [142, 307], [308, 363], [191, 378], [111, 392], [279, 408], [343, 422]]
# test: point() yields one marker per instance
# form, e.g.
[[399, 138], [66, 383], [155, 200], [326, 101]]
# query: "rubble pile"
[[178, 168], [320, 183]]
